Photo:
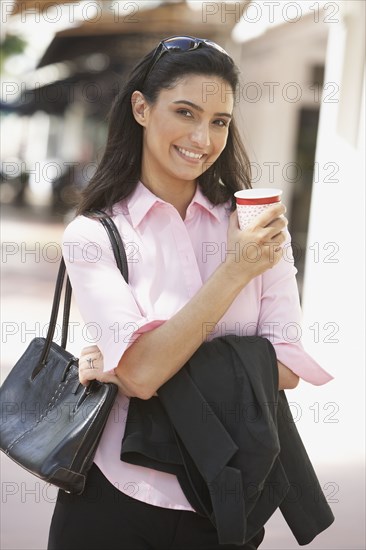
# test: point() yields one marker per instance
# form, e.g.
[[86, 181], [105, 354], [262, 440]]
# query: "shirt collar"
[[142, 200], [217, 211]]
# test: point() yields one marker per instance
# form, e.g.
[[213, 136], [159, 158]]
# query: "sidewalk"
[[30, 256]]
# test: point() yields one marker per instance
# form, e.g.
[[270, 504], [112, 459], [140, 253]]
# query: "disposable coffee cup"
[[252, 202]]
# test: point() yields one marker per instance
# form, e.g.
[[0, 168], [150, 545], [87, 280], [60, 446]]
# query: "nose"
[[201, 136]]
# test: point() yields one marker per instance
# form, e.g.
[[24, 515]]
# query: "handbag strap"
[[121, 261], [116, 242]]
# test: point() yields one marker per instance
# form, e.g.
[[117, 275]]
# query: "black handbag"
[[50, 423]]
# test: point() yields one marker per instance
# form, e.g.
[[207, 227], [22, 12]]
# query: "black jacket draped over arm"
[[223, 428]]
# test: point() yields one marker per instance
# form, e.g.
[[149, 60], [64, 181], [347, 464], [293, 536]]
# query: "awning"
[[122, 41], [131, 35], [95, 90]]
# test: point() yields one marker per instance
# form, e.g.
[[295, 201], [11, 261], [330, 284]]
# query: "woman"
[[172, 163]]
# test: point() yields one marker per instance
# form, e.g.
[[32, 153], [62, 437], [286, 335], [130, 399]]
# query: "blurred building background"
[[301, 112]]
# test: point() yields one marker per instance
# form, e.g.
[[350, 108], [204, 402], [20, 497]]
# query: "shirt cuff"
[[301, 363], [119, 343]]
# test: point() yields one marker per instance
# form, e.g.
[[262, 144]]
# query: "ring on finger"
[[90, 361]]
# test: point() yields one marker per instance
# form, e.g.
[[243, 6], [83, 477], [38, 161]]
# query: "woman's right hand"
[[250, 252]]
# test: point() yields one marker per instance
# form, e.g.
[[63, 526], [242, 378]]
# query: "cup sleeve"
[[105, 301]]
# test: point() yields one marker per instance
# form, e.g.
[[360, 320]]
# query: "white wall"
[[330, 418], [333, 321], [334, 292], [276, 84]]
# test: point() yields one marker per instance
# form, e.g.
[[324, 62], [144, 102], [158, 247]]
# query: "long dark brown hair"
[[119, 169]]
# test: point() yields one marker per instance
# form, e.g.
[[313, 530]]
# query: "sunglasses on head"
[[181, 44]]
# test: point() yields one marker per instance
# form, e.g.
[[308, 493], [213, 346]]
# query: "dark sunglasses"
[[181, 44]]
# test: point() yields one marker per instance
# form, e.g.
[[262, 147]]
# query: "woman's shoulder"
[[83, 227]]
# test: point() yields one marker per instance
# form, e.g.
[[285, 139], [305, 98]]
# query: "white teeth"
[[189, 154]]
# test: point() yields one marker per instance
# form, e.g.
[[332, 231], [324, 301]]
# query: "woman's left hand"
[[91, 368]]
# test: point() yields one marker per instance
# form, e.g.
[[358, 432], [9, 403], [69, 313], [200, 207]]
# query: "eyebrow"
[[198, 108]]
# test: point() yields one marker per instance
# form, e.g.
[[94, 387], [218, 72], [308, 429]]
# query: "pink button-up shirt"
[[169, 260]]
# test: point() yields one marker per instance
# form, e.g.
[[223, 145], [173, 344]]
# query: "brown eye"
[[185, 112], [221, 123]]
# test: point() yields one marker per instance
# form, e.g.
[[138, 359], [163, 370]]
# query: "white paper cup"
[[252, 202]]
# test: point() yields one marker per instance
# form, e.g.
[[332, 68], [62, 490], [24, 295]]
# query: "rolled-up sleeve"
[[105, 301], [280, 319]]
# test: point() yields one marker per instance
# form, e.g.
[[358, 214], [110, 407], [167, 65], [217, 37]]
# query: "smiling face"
[[185, 130]]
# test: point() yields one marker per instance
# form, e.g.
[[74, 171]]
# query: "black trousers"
[[104, 518]]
